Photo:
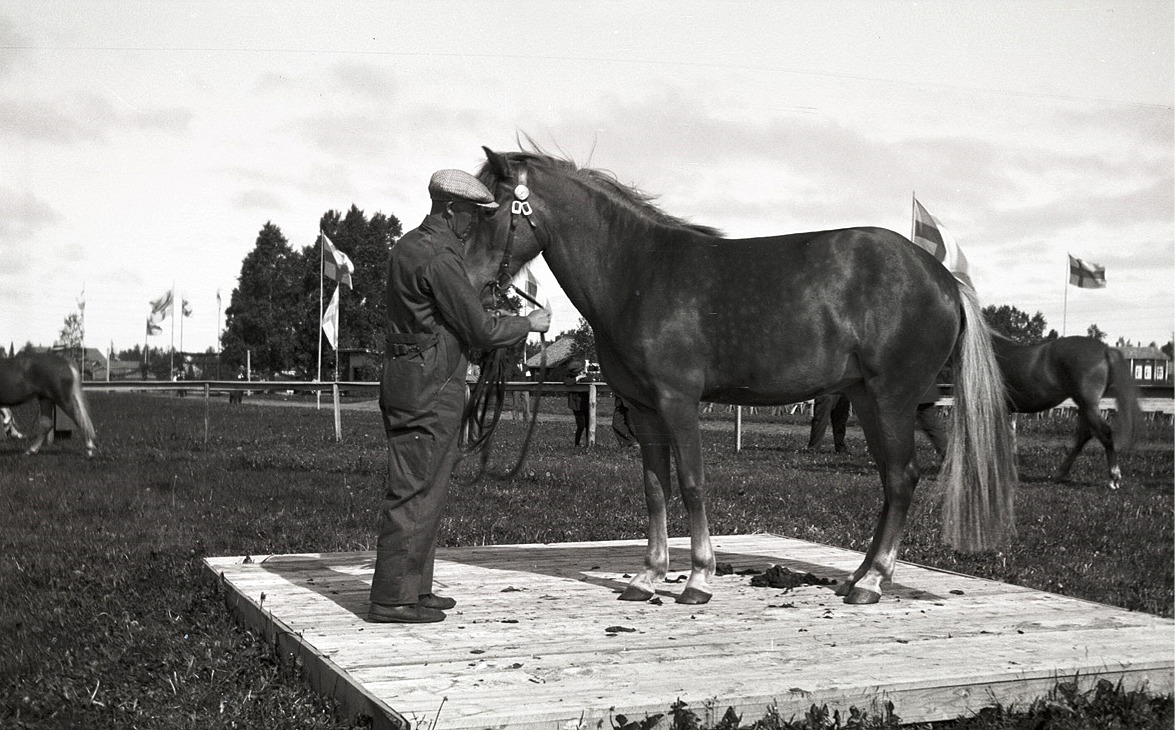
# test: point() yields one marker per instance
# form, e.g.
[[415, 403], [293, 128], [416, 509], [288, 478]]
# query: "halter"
[[520, 206]]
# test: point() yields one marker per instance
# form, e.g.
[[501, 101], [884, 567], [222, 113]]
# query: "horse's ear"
[[498, 164]]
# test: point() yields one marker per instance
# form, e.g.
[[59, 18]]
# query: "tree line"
[[273, 321]]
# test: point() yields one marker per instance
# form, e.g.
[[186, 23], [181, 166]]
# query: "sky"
[[147, 143]]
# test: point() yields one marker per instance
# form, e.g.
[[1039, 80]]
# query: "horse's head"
[[501, 244]]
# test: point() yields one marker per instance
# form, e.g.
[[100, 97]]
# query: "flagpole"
[[321, 260], [82, 306], [218, 340], [913, 216], [171, 360], [1065, 310]]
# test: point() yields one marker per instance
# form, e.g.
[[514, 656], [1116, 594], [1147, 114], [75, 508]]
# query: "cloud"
[[368, 82], [257, 199], [22, 216], [14, 45], [87, 118], [346, 134]]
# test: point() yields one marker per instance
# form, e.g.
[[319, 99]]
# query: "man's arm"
[[462, 309]]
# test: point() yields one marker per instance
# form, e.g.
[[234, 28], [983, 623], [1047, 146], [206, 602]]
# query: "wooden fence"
[[1162, 406]]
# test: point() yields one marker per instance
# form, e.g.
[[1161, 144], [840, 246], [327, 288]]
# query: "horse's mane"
[[606, 184]]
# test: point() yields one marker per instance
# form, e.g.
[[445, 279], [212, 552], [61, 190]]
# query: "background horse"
[[8, 424], [1039, 377], [682, 315], [53, 381]]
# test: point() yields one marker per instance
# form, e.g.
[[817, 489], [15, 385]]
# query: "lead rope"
[[488, 393]]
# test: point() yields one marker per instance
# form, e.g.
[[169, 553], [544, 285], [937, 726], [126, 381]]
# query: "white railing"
[[1164, 406]]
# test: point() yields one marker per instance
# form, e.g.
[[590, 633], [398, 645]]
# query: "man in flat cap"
[[434, 318]]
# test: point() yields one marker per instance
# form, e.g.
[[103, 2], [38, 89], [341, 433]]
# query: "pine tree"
[[1016, 324], [265, 307]]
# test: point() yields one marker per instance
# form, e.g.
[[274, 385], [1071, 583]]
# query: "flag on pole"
[[527, 285], [1085, 275], [163, 305], [186, 308], [930, 235], [336, 264], [82, 299], [330, 320], [152, 327]]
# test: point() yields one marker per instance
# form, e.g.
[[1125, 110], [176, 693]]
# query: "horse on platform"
[[681, 315], [53, 381], [1042, 376]]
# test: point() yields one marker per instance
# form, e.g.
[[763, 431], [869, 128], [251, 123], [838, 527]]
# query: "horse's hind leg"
[[891, 441], [43, 428], [1094, 424], [9, 423], [1080, 437], [653, 437], [75, 408]]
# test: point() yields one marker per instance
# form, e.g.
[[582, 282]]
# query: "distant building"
[[1148, 365], [558, 358], [356, 364], [92, 362]]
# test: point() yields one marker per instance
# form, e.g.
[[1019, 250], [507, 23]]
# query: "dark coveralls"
[[833, 408], [579, 404], [927, 419], [434, 317]]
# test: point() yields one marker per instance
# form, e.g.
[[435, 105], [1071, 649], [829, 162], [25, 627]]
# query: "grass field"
[[106, 619]]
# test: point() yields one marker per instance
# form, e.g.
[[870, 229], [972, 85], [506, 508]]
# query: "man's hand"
[[540, 320]]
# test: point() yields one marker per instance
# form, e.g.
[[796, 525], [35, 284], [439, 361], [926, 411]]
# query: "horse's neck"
[[591, 252]]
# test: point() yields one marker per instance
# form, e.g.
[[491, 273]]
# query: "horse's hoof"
[[693, 597], [862, 596], [632, 593], [844, 588]]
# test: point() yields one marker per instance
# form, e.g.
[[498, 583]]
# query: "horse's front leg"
[[679, 422], [655, 457], [691, 475]]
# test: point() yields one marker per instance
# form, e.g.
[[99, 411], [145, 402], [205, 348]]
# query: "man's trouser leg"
[[821, 410], [839, 416], [420, 461], [932, 426]]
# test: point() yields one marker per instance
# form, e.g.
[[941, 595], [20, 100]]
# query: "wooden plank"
[[533, 641]]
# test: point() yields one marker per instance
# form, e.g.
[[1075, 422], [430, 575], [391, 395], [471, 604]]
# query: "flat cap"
[[459, 185]]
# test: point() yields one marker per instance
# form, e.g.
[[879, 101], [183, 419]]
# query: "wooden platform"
[[538, 639]]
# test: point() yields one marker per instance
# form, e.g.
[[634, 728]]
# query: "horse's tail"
[[79, 406], [1128, 419], [980, 467]]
